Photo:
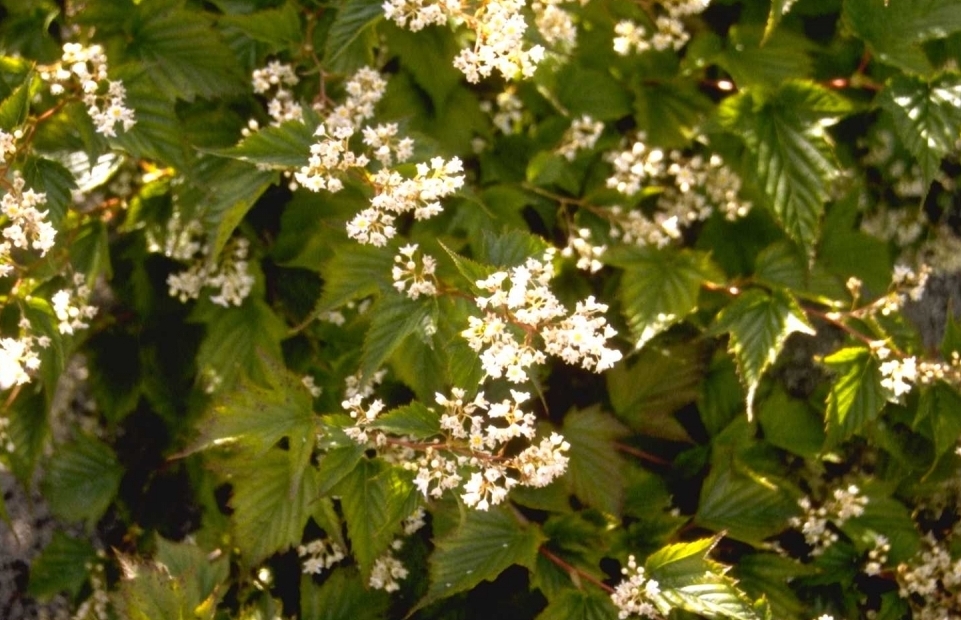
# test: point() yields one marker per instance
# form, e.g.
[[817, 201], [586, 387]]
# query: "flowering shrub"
[[444, 308]]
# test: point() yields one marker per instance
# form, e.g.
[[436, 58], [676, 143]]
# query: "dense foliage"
[[566, 309]]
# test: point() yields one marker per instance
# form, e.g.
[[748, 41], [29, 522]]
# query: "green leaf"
[[769, 576], [82, 480], [29, 430], [894, 29], [283, 146], [229, 190], [272, 499], [278, 27], [589, 91], [886, 516], [791, 424], [690, 581], [149, 592], [670, 112], [759, 324], [584, 604], [779, 8], [342, 596], [856, 395], [660, 287], [184, 55], [201, 576], [375, 497], [394, 318], [427, 55], [511, 248], [753, 60], [239, 339], [790, 157], [15, 108], [941, 406], [158, 135], [50, 177], [344, 49], [60, 567], [595, 471], [413, 420], [258, 415], [646, 393], [336, 465], [927, 117], [781, 264], [742, 503], [482, 546], [355, 271]]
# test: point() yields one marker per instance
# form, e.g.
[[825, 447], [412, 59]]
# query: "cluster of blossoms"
[[412, 277], [331, 157], [633, 595], [581, 135], [931, 580], [18, 356], [274, 82], [71, 307], [97, 605], [844, 504], [669, 31], [26, 225], [8, 143], [498, 27], [229, 276], [520, 303], [509, 112], [900, 374], [388, 570], [320, 555], [878, 555], [692, 189], [106, 99], [580, 245], [905, 284]]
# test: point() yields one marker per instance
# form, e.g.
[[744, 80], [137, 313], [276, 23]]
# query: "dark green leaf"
[[354, 271], [894, 29], [60, 567], [485, 543], [284, 146], [342, 596], [185, 55], [278, 27], [413, 420], [375, 498], [584, 604], [592, 92], [927, 117], [394, 318], [272, 499], [354, 18], [759, 324], [856, 396], [595, 470], [81, 480], [660, 287], [14, 109], [238, 340], [50, 177]]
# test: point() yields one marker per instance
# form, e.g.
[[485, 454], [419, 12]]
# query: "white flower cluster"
[[521, 303], [26, 224], [275, 81], [509, 112], [8, 143], [319, 555], [898, 377], [878, 555], [308, 382], [580, 245], [87, 66], [815, 523], [332, 157], [669, 31], [229, 276], [554, 23], [581, 135], [931, 581], [692, 189], [498, 26], [412, 278], [632, 597], [905, 284], [71, 307], [18, 356], [97, 605], [487, 428], [388, 570]]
